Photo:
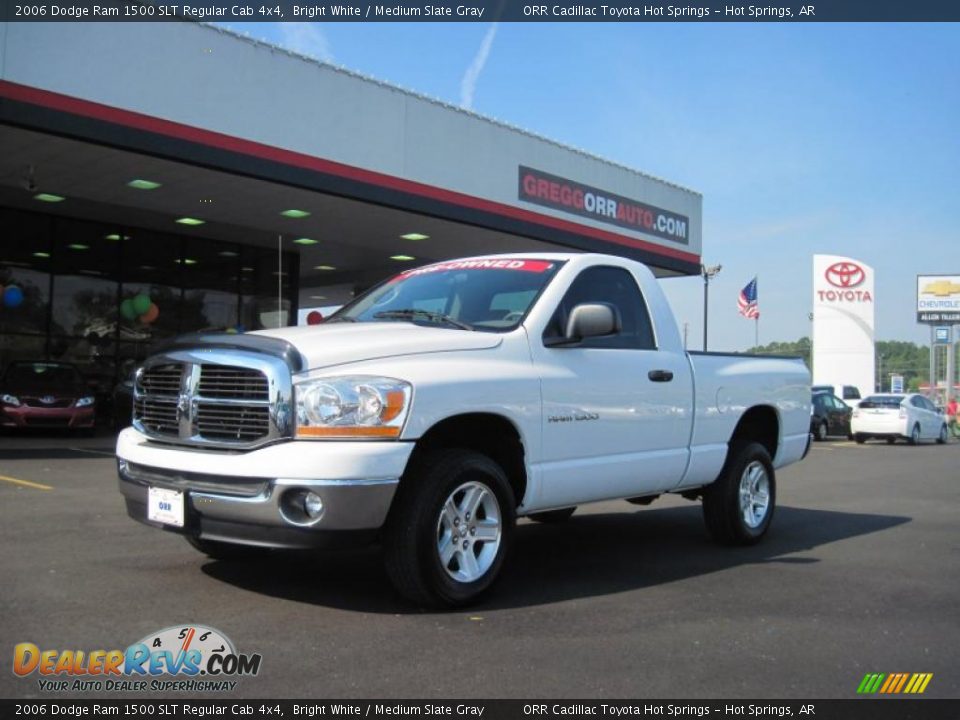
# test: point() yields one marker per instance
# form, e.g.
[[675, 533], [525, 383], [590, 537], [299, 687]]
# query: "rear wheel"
[[738, 507], [859, 438], [553, 516], [821, 432], [449, 529], [915, 434], [942, 438]]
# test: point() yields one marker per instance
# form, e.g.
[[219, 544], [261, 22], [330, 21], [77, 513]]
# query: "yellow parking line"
[[25, 483]]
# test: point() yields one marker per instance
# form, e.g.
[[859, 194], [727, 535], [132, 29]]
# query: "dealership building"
[[162, 178]]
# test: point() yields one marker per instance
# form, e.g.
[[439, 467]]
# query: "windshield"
[[39, 374], [491, 295]]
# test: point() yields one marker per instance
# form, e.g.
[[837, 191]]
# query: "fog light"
[[312, 505]]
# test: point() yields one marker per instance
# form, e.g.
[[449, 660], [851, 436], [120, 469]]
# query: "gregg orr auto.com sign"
[[573, 197]]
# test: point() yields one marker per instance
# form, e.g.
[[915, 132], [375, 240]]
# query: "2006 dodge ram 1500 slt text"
[[439, 406]]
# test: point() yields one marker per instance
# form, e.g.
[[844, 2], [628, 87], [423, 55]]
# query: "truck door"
[[616, 410]]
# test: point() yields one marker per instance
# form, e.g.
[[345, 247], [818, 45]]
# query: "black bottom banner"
[[859, 709]]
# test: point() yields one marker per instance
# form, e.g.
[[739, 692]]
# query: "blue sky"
[[835, 138]]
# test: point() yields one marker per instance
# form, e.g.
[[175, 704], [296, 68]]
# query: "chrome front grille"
[[222, 381], [162, 379], [158, 415], [214, 398], [232, 422]]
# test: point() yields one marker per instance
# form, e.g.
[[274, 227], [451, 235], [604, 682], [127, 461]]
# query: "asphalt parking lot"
[[858, 575]]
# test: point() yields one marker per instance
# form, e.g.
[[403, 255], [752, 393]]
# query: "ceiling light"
[[78, 246], [295, 213], [318, 297], [115, 237], [143, 184], [48, 197], [402, 258], [305, 241], [227, 253], [247, 269], [147, 267], [324, 267], [415, 236], [41, 254], [186, 261], [279, 273], [190, 221]]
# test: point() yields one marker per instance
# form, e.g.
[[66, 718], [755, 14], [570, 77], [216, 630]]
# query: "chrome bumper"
[[263, 511]]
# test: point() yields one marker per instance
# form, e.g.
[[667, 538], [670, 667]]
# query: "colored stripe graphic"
[[894, 683]]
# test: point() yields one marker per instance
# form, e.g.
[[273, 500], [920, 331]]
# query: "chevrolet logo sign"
[[941, 288]]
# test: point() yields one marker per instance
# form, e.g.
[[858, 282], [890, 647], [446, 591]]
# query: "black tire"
[[859, 438], [225, 551], [891, 440], [914, 438], [821, 432], [413, 530], [553, 516], [722, 510], [942, 438]]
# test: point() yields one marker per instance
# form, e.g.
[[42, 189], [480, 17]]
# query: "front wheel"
[[739, 505], [942, 438], [449, 529]]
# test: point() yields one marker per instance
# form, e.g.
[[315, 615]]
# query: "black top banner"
[[175, 708], [611, 11]]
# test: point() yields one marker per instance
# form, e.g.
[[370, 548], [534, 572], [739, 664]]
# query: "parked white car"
[[891, 416]]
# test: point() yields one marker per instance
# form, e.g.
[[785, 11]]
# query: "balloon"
[[126, 309], [12, 296], [314, 317], [151, 314], [141, 304]]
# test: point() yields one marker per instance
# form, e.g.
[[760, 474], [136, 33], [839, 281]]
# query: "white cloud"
[[468, 84], [306, 39]]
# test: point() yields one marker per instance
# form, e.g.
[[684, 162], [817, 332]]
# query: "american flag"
[[747, 302]]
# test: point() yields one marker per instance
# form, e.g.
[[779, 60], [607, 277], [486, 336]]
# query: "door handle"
[[660, 375]]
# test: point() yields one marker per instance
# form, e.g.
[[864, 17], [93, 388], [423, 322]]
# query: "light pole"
[[708, 272], [880, 373]]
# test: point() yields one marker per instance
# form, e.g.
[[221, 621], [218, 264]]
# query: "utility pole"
[[708, 273]]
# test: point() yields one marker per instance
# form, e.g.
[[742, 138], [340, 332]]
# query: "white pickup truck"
[[439, 406]]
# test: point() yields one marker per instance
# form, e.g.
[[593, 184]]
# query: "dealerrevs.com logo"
[[185, 658]]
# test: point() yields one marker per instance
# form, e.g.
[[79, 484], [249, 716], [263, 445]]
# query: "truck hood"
[[340, 343]]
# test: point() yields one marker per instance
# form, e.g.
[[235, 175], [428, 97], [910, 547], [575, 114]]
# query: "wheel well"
[[487, 433], [758, 424]]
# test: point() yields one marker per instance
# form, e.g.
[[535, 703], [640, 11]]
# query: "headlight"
[[10, 400], [352, 407], [84, 401]]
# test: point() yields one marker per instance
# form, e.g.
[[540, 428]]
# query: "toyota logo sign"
[[845, 275]]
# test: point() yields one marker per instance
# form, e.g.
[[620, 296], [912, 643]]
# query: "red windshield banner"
[[551, 191], [535, 266]]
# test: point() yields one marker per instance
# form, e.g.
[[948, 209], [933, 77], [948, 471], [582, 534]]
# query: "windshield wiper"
[[413, 314]]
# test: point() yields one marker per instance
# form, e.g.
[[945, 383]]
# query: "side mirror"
[[587, 320]]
